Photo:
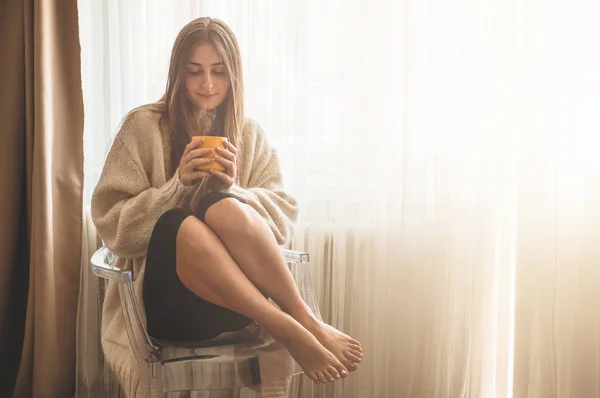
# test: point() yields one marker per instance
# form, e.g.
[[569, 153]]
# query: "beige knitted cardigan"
[[133, 192]]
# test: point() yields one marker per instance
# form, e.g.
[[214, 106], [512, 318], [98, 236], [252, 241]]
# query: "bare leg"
[[252, 245], [205, 267]]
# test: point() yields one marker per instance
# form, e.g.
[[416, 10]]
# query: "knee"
[[194, 256], [231, 215], [193, 239]]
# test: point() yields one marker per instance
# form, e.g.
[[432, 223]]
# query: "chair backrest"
[[104, 264]]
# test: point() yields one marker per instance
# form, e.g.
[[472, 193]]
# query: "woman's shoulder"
[[250, 126], [253, 132], [141, 124]]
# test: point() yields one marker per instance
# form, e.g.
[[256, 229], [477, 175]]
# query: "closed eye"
[[201, 72]]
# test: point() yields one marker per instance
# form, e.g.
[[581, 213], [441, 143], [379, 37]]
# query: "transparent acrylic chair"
[[248, 358]]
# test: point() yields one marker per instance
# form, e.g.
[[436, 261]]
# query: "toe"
[[321, 378], [314, 377], [334, 373], [352, 365], [356, 353], [343, 373], [329, 377], [348, 361], [351, 358]]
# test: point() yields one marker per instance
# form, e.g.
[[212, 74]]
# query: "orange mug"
[[211, 141]]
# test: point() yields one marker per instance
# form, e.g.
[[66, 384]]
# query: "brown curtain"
[[41, 188]]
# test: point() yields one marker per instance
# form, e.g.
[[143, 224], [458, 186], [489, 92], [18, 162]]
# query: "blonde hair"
[[175, 105]]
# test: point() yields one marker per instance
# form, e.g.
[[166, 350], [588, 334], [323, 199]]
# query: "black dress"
[[174, 313]]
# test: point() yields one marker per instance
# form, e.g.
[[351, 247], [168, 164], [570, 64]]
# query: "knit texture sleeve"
[[260, 185], [125, 207]]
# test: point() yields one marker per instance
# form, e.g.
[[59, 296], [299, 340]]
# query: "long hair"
[[177, 108]]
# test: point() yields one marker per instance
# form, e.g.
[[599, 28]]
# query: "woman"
[[203, 265]]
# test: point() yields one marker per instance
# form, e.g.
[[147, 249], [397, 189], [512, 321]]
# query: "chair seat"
[[248, 357], [245, 358]]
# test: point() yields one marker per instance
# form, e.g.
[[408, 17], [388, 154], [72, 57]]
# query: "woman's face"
[[207, 80]]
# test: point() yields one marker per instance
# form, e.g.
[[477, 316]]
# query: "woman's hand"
[[220, 180], [191, 160]]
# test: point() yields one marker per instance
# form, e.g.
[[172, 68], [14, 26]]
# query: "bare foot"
[[316, 361], [346, 349]]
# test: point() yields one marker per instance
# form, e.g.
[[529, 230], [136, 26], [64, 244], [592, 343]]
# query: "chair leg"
[[207, 394], [153, 380], [227, 394], [275, 389]]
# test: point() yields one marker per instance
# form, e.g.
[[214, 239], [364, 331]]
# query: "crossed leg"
[[226, 259]]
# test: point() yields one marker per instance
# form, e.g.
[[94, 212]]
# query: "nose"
[[207, 84]]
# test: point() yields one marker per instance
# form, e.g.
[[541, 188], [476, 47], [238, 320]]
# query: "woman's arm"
[[125, 206]]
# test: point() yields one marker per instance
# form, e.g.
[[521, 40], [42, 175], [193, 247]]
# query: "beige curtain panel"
[[41, 185]]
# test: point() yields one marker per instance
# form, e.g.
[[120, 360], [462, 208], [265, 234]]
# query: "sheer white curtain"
[[445, 155]]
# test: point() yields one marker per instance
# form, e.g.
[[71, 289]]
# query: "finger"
[[226, 154], [227, 164], [231, 148], [197, 162], [193, 177], [199, 174], [197, 153], [222, 176], [192, 145]]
